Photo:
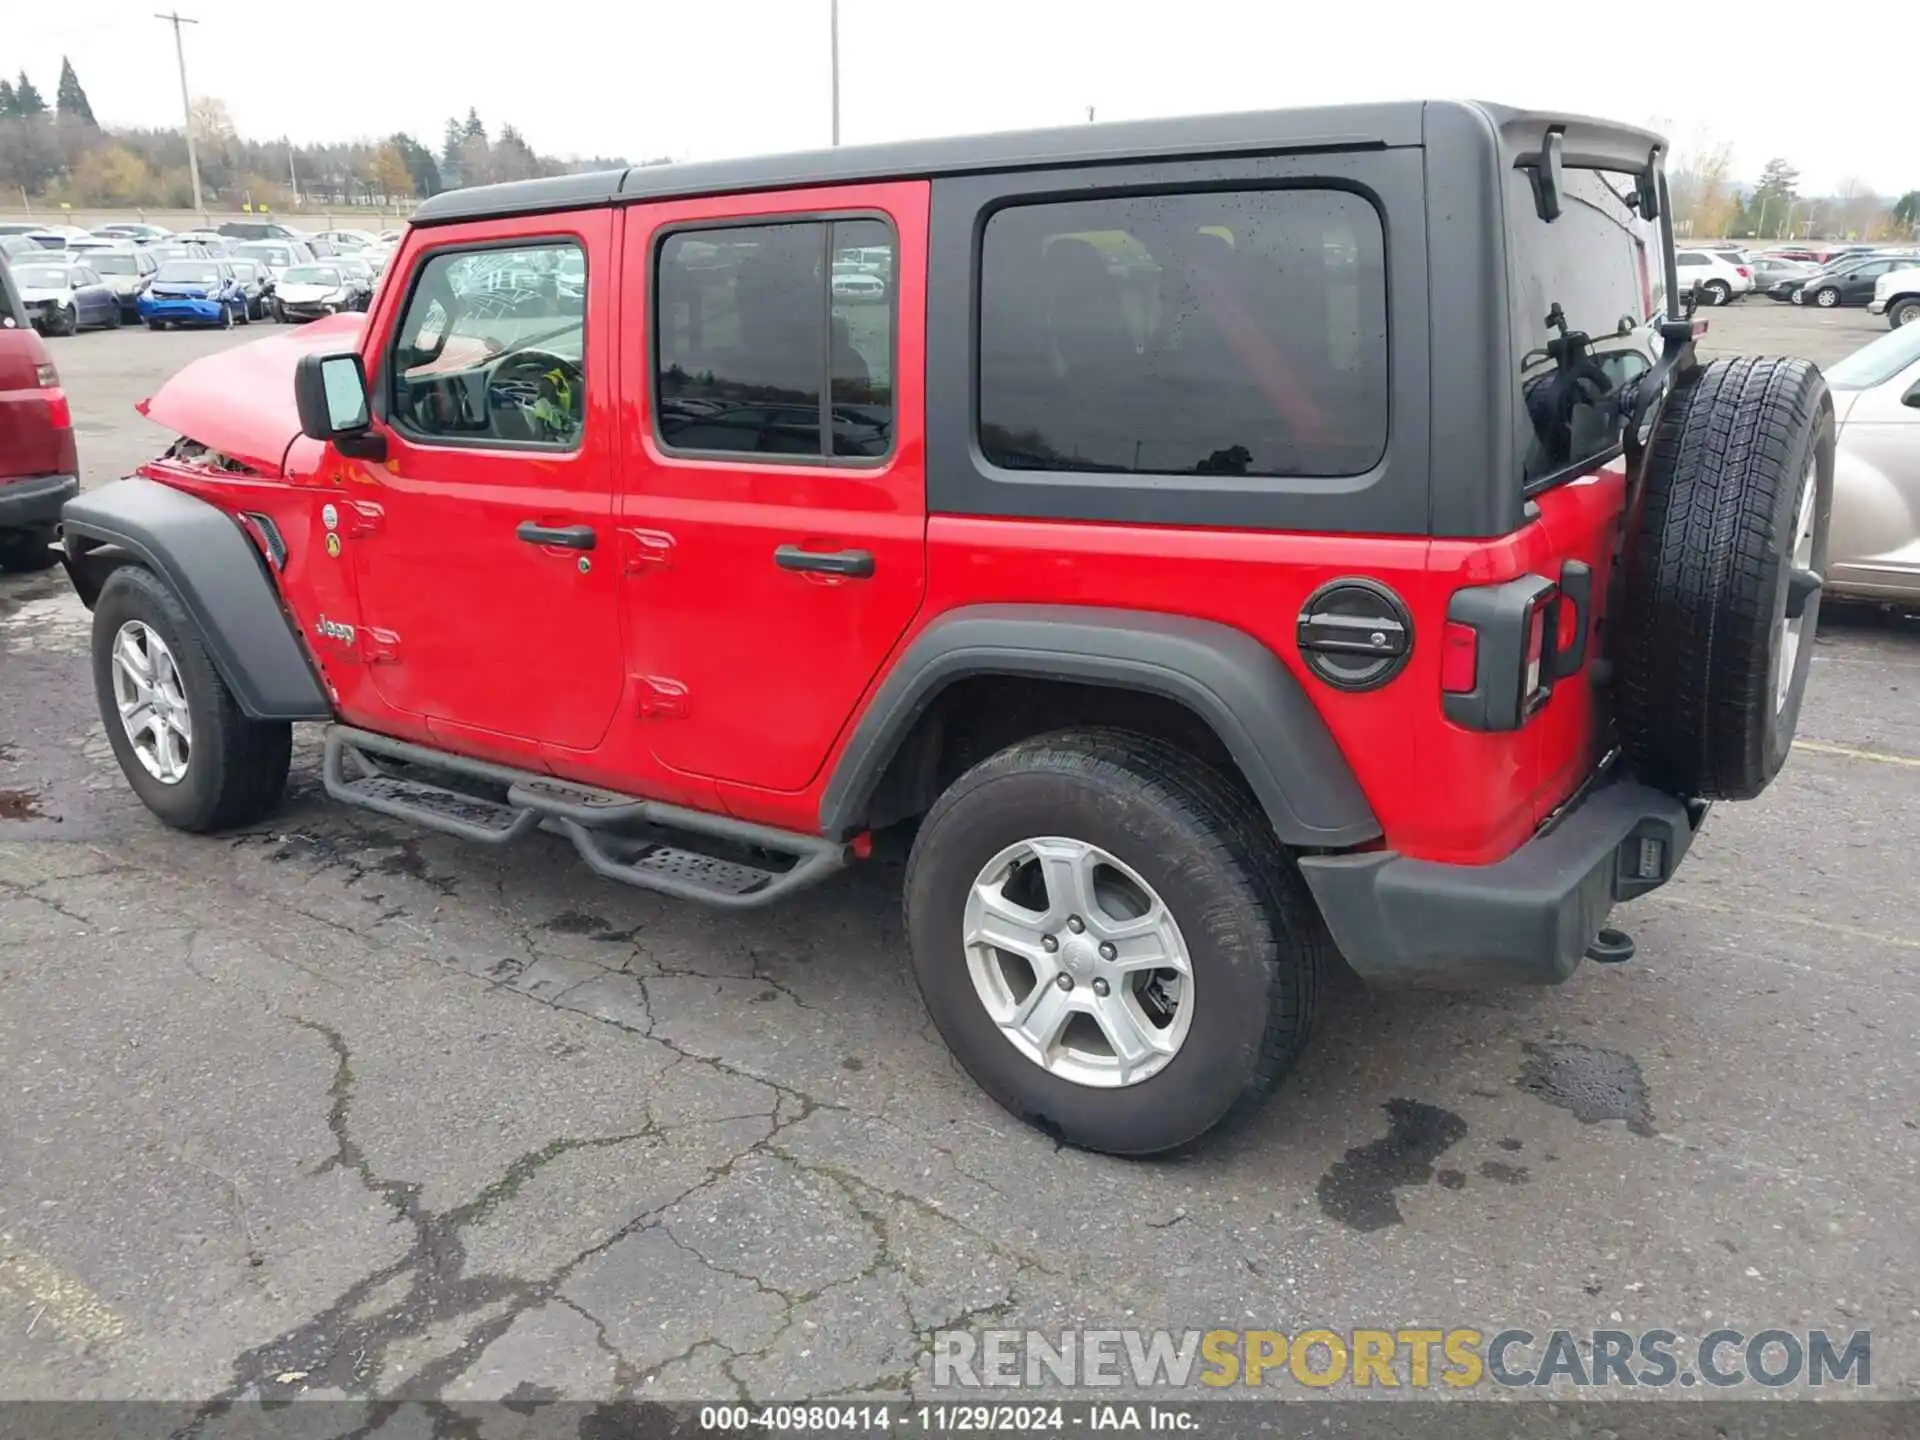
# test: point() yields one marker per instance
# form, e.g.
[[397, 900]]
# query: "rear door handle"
[[567, 537], [851, 564]]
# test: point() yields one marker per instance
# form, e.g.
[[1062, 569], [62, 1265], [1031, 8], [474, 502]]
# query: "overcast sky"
[[703, 78]]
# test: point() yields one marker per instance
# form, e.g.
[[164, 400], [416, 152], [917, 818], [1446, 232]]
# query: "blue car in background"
[[194, 292]]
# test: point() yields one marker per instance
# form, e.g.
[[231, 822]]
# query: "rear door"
[[30, 443], [774, 496]]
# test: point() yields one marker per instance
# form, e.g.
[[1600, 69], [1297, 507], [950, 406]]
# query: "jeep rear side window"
[[768, 336], [492, 347], [1205, 333], [1583, 290]]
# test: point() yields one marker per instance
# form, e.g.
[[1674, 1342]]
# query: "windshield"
[[1877, 362], [110, 264], [311, 275], [185, 273], [41, 277]]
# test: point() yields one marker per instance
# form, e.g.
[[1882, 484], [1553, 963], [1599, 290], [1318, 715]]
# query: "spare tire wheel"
[[1722, 582]]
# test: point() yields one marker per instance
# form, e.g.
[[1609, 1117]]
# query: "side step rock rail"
[[736, 865]]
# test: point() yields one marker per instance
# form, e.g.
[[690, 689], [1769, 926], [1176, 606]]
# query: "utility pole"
[[1089, 114], [293, 180], [833, 29], [176, 19]]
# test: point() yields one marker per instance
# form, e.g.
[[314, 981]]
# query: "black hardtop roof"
[[1328, 127]]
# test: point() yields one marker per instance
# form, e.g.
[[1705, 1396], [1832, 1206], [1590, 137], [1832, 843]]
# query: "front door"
[[774, 503], [482, 544]]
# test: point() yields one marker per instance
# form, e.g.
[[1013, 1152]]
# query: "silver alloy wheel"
[[1792, 628], [1907, 315], [1079, 962], [153, 702], [1827, 299]]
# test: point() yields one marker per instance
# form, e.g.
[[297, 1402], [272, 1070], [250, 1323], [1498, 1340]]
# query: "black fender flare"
[[219, 578], [1232, 681]]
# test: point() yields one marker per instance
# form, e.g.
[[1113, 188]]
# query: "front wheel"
[[1903, 312], [185, 747], [1111, 941], [1826, 297], [65, 321]]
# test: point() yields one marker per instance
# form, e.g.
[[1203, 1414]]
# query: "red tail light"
[[1531, 690], [1459, 658], [1745, 273], [59, 411]]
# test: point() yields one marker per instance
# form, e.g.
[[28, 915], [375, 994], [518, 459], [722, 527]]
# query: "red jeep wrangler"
[[1223, 540]]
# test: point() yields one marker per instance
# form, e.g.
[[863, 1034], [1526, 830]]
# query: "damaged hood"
[[240, 401]]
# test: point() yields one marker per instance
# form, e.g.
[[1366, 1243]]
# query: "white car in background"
[[1896, 295], [1721, 280], [1873, 549]]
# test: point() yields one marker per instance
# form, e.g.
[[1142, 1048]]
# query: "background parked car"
[[1720, 281], [360, 277], [308, 292], [1896, 295], [63, 296], [256, 285], [257, 230], [139, 232], [38, 468], [1772, 270], [346, 242], [126, 268], [194, 292], [278, 256], [1851, 285], [166, 250], [17, 244], [1874, 545]]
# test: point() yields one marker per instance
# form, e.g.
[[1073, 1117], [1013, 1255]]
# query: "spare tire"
[[1721, 583]]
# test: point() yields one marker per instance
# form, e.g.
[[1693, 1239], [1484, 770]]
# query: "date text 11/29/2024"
[[947, 1419]]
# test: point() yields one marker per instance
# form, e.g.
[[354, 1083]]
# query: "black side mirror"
[[330, 393], [1912, 397]]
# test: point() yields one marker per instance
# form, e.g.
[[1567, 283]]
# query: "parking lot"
[[337, 1108]]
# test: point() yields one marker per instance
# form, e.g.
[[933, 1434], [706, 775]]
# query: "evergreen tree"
[[9, 110], [71, 99], [473, 129], [26, 100], [426, 174]]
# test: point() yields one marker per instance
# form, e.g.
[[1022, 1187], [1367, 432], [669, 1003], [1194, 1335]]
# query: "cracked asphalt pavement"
[[335, 1108]]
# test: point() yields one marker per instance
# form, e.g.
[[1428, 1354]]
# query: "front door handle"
[[567, 537], [850, 564]]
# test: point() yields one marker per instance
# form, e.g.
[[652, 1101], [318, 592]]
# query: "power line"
[[176, 19]]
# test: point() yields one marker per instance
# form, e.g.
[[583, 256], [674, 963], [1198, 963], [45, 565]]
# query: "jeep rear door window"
[[1217, 333], [1583, 289], [492, 346], [769, 336]]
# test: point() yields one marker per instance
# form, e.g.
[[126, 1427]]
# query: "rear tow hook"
[[1611, 947]]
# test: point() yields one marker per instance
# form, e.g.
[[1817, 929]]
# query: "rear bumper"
[[1526, 920], [35, 501]]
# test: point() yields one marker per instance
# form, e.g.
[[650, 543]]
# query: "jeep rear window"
[[1594, 275], [762, 343], [1234, 332]]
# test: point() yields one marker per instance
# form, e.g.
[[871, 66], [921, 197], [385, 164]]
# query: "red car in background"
[[39, 469]]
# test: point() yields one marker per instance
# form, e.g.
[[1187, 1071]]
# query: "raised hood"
[[240, 401]]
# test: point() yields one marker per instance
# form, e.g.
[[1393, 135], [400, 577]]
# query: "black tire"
[[65, 321], [236, 768], [1826, 297], [1255, 939], [156, 324], [1905, 311], [1708, 575], [1716, 292], [25, 552]]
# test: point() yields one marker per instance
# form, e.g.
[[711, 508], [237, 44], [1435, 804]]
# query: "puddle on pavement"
[[1594, 1084], [1358, 1190]]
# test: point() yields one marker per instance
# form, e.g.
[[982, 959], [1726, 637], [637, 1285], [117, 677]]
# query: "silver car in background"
[[1874, 548]]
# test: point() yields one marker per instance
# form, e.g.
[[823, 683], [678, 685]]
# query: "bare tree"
[[1705, 204]]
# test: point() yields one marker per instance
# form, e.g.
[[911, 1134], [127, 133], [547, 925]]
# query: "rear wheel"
[[1716, 292], [1723, 577], [185, 747], [1111, 941], [29, 550]]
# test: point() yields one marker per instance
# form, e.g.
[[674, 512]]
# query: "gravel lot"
[[337, 1108]]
